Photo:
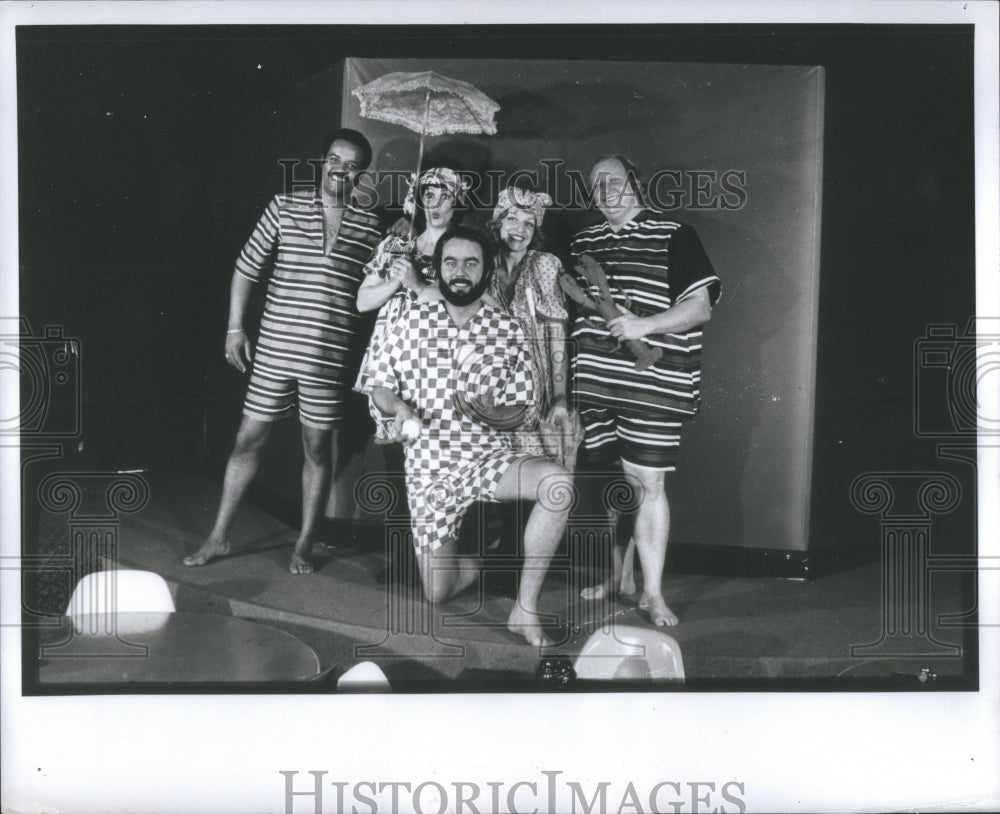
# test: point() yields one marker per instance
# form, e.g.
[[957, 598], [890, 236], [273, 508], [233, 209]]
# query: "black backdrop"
[[146, 154]]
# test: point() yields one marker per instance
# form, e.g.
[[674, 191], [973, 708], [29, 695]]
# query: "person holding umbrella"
[[401, 270]]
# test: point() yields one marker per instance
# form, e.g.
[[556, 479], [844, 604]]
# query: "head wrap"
[[516, 197], [447, 178]]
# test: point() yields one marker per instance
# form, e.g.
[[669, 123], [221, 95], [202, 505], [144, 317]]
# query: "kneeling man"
[[462, 346]]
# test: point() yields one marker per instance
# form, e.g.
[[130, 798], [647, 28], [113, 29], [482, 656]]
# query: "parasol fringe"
[[471, 129]]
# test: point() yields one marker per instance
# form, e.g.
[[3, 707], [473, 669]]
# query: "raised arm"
[[374, 292], [385, 274]]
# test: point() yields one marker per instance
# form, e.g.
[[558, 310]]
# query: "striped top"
[[652, 263], [310, 323]]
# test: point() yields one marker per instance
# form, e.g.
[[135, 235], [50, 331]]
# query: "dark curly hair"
[[470, 234]]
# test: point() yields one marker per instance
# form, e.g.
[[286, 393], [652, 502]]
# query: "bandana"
[[511, 197], [447, 178]]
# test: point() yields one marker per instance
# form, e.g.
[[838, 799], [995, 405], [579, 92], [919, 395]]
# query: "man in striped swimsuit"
[[665, 287], [315, 244]]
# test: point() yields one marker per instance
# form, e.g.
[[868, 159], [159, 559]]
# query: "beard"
[[466, 297]]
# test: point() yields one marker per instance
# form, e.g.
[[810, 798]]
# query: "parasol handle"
[[420, 152]]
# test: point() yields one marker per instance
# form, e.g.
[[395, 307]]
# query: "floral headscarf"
[[516, 197], [447, 178]]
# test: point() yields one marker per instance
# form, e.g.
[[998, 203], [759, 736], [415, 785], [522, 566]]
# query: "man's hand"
[[238, 348], [558, 414], [406, 421], [628, 326]]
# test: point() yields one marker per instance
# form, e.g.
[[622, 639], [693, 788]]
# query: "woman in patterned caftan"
[[526, 284]]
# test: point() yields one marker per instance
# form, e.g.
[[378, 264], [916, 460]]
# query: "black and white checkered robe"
[[456, 460]]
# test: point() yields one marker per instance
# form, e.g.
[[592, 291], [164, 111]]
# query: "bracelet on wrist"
[[235, 331]]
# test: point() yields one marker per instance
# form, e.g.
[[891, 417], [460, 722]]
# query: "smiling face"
[[463, 272], [614, 192], [517, 230], [341, 164]]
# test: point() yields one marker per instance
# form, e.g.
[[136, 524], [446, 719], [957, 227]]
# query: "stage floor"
[[734, 632]]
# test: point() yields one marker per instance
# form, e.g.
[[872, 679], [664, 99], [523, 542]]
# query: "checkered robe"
[[425, 360]]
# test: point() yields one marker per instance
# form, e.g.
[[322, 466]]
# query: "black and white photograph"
[[455, 408]]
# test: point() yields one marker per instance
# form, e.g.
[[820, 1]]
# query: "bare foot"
[[525, 623], [598, 591], [209, 550], [299, 564], [624, 575], [659, 614]]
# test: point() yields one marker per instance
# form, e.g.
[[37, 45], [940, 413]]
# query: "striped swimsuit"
[[308, 346], [652, 263]]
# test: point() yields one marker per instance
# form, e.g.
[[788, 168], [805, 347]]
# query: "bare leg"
[[622, 572], [318, 448], [444, 573], [626, 584], [240, 472], [549, 485], [652, 528]]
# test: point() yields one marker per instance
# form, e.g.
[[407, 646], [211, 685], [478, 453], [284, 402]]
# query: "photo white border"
[[792, 752]]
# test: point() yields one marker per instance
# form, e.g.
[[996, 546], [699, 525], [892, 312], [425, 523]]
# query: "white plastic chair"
[[365, 676], [99, 597], [626, 653]]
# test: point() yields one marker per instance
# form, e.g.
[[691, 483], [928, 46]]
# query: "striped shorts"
[[273, 394], [649, 443]]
